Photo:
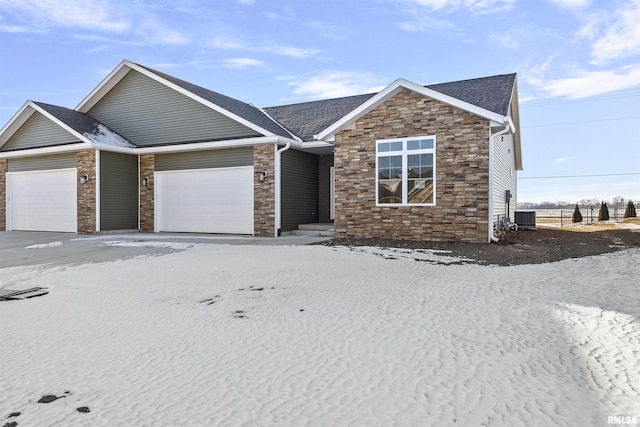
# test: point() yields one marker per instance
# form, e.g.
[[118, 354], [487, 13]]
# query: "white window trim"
[[404, 153]]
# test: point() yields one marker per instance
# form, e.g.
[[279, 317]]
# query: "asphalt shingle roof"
[[310, 118], [239, 108], [491, 93]]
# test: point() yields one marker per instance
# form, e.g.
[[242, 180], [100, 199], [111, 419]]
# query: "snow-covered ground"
[[260, 336]]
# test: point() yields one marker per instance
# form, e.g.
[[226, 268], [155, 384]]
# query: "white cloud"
[[234, 43], [561, 160], [88, 14], [96, 16], [506, 41], [473, 6], [335, 84], [227, 42], [621, 38], [289, 51], [242, 63], [583, 83], [571, 4], [329, 31], [426, 23]]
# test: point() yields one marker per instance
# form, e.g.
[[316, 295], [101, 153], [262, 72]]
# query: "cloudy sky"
[[578, 63]]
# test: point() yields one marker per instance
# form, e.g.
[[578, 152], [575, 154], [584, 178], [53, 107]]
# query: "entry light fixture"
[[84, 178], [145, 180], [263, 176]]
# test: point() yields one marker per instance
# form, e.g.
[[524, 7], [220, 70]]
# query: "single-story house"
[[147, 151]]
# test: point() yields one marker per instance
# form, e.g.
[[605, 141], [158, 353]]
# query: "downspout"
[[278, 223], [507, 127]]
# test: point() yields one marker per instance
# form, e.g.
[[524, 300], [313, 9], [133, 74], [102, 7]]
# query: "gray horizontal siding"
[[54, 161], [147, 112], [324, 187], [118, 191], [504, 176], [205, 159], [38, 131], [299, 189]]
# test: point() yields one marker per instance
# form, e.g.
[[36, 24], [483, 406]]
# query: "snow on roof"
[[103, 135]]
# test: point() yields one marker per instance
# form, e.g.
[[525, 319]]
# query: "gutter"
[[278, 207], [508, 125]]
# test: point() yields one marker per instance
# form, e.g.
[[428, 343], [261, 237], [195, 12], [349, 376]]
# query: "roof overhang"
[[24, 113], [166, 149], [394, 88], [123, 69]]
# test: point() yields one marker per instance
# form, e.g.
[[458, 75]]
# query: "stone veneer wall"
[[86, 161], [264, 207], [147, 168], [3, 194], [462, 173]]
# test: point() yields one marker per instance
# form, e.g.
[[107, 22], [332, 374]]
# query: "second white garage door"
[[205, 200]]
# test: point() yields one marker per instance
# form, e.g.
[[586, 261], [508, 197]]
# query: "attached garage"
[[42, 194], [205, 192]]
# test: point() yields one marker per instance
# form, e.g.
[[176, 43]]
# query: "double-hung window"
[[405, 170]]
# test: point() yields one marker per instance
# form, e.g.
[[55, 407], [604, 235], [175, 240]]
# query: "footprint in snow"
[[210, 301]]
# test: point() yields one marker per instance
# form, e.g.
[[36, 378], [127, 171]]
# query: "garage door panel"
[[42, 201], [205, 201]]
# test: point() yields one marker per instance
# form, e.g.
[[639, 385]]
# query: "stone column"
[[147, 201], [86, 161], [264, 158], [3, 194]]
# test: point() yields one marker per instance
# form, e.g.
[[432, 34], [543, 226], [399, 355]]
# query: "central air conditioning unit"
[[525, 219]]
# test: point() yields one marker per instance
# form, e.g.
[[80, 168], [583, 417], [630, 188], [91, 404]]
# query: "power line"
[[581, 122], [578, 176], [562, 100]]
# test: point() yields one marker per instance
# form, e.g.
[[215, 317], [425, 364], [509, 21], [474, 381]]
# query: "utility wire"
[[581, 122], [579, 176]]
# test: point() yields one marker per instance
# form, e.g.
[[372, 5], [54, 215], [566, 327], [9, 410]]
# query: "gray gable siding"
[[204, 159], [325, 163], [38, 131], [118, 191], [299, 189], [239, 108], [148, 113], [37, 163]]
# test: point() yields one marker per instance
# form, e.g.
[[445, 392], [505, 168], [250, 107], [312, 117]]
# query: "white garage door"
[[205, 200], [42, 200]]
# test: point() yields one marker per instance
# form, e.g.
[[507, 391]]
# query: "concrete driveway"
[[22, 248]]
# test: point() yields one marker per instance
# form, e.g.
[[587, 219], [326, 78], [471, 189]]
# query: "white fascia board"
[[316, 144], [213, 145], [55, 149], [104, 86], [394, 88], [203, 101]]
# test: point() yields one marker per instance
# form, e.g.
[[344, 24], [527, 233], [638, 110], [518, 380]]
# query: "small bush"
[[630, 211], [603, 215], [577, 216]]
